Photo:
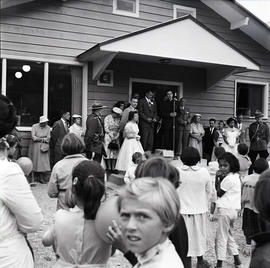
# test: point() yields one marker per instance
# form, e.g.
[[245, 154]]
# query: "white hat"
[[43, 119], [76, 116], [117, 110]]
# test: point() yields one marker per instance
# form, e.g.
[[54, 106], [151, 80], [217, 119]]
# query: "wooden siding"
[[62, 30]]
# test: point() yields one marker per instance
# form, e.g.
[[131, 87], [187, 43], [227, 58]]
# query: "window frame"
[[265, 95], [127, 13], [190, 10]]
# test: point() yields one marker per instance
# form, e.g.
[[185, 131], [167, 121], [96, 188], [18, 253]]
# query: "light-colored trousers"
[[224, 237]]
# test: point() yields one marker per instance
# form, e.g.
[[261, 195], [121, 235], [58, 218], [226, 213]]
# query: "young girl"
[[130, 173], [148, 209], [228, 187], [193, 192], [231, 136], [250, 224], [244, 160], [73, 234]]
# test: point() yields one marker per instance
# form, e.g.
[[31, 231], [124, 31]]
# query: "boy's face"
[[224, 166], [142, 227]]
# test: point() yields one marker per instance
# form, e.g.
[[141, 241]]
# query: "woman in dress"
[[111, 139], [231, 136], [20, 213], [76, 127], [131, 142], [40, 135], [196, 133]]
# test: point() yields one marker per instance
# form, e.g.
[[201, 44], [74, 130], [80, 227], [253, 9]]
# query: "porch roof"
[[183, 41]]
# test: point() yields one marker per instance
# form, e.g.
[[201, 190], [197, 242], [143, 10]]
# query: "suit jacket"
[[147, 111], [166, 108], [208, 140], [94, 134], [258, 136], [57, 135]]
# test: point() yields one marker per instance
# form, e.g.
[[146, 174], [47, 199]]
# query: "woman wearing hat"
[[231, 136], [39, 149], [76, 127], [111, 139], [196, 133]]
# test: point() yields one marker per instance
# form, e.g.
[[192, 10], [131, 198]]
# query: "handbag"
[[44, 147], [113, 145]]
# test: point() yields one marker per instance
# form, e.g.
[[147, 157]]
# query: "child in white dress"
[[148, 211], [74, 234]]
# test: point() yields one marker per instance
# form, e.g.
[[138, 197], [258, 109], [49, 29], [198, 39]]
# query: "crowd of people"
[[157, 211]]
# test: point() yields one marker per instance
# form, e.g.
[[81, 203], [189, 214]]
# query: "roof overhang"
[[182, 41], [13, 3], [241, 18]]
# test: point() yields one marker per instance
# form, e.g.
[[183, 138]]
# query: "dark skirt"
[[250, 224]]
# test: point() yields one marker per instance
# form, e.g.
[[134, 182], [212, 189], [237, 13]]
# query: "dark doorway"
[[141, 88]]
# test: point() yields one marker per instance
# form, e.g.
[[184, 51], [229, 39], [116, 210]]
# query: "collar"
[[194, 168], [64, 122], [262, 238], [75, 156], [149, 101], [152, 252]]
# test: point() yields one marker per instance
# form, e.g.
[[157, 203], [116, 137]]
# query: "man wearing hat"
[[59, 130], [76, 127], [259, 138], [94, 134]]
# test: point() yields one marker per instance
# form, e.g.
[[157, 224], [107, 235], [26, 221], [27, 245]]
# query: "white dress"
[[19, 214], [232, 134], [130, 146]]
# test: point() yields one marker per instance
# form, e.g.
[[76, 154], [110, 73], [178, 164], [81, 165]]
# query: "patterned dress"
[[198, 131]]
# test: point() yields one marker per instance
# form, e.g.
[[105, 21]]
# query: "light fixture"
[[18, 75], [26, 68], [165, 60]]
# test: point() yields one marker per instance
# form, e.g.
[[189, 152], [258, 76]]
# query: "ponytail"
[[91, 194]]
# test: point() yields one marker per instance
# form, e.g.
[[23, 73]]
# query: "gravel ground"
[[44, 257]]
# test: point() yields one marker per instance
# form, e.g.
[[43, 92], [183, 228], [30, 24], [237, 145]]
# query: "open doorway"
[[141, 86]]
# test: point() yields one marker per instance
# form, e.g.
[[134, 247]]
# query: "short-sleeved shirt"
[[231, 185]]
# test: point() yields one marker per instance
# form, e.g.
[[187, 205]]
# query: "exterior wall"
[[62, 30]]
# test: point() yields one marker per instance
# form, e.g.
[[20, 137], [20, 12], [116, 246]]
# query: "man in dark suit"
[[59, 130], [94, 134], [168, 114], [148, 117], [208, 140]]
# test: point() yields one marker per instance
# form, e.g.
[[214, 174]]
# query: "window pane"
[[59, 91], [26, 89], [126, 5], [249, 98]]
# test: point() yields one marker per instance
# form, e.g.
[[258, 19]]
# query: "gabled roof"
[[247, 22], [12, 3]]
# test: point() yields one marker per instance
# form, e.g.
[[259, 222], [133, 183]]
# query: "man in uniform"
[[94, 133]]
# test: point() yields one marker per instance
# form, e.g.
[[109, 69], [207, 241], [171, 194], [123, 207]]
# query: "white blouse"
[[19, 214]]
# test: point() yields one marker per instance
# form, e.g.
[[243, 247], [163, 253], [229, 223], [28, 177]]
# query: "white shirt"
[[77, 130], [160, 256], [231, 184], [194, 190]]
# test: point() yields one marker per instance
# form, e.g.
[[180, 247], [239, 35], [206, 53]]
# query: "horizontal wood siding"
[[62, 30]]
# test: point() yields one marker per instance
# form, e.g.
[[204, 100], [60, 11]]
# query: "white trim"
[[160, 82], [239, 23], [40, 59], [265, 94], [84, 93], [189, 10], [21, 128], [106, 84], [126, 13], [4, 77], [45, 88]]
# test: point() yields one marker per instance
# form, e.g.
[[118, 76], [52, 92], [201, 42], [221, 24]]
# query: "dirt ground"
[[44, 257]]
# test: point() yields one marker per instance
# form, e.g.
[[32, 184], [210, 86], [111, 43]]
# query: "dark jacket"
[[57, 135], [261, 255], [182, 118], [258, 136], [208, 140], [166, 108], [147, 111], [94, 134]]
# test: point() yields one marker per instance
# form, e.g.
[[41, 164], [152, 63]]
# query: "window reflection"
[[25, 89]]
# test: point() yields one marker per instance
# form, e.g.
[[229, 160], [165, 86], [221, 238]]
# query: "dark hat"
[[258, 113], [229, 120], [97, 106]]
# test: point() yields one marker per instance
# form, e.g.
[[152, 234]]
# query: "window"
[[250, 96], [25, 89], [126, 7], [179, 11]]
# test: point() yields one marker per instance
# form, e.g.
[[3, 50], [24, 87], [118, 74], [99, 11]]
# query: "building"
[[67, 54]]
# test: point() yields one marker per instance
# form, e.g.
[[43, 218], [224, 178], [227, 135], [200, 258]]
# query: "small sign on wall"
[[106, 79]]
